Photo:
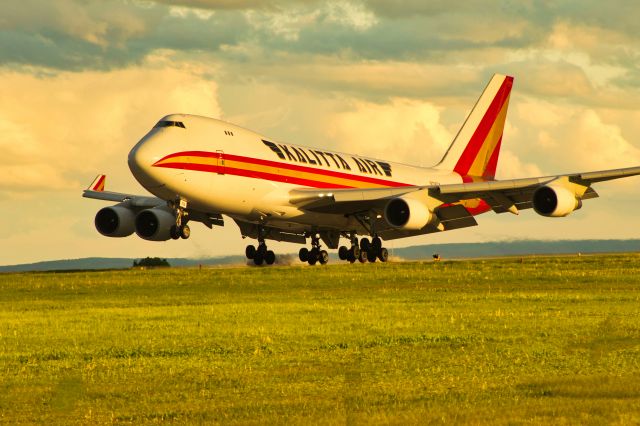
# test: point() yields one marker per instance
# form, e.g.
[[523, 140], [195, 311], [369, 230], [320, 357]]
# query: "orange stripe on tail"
[[476, 148]]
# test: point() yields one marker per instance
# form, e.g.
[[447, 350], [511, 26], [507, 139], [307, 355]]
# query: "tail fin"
[[474, 151]]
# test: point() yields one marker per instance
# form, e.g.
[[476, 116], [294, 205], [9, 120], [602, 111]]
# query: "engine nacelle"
[[155, 224], [408, 213], [115, 221], [555, 201]]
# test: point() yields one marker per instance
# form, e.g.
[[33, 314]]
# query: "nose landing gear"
[[180, 229]]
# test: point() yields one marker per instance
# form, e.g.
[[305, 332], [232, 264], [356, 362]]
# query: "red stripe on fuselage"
[[287, 166], [252, 174], [482, 207]]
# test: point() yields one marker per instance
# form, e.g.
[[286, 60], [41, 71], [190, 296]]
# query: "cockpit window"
[[167, 123]]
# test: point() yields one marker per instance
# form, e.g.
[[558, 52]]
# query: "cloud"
[[92, 21], [565, 138], [402, 130], [264, 5], [290, 22], [58, 130]]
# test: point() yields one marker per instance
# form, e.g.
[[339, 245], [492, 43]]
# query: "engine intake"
[[408, 213], [115, 221], [555, 201], [155, 224]]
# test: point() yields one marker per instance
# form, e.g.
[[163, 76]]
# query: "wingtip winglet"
[[98, 183]]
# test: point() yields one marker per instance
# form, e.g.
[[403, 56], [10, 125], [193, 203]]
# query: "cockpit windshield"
[[167, 123]]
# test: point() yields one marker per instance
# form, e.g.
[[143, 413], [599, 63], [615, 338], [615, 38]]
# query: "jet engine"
[[115, 221], [408, 213], [155, 224], [555, 201]]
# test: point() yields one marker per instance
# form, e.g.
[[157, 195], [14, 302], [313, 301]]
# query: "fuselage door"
[[220, 161]]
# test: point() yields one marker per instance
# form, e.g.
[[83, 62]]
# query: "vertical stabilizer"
[[474, 151]]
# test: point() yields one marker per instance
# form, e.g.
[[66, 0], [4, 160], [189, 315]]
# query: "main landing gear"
[[261, 254], [314, 255], [364, 251]]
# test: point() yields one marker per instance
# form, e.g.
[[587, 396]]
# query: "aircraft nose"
[[141, 159]]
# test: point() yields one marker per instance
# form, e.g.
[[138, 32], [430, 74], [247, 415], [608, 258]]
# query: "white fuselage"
[[218, 167]]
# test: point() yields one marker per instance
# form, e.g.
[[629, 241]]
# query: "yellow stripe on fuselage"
[[274, 170]]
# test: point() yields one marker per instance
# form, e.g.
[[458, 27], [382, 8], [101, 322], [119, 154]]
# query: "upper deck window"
[[167, 123]]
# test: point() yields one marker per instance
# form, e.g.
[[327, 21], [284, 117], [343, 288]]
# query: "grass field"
[[505, 341]]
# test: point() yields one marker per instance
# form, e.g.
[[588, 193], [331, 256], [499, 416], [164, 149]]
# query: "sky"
[[83, 80]]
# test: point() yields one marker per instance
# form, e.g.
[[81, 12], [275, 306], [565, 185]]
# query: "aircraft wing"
[[140, 202], [450, 199], [504, 195], [96, 191]]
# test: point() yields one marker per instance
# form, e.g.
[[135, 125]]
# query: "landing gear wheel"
[[250, 252], [376, 243], [174, 232], [343, 253], [371, 255], [323, 257], [383, 255], [258, 259], [364, 244], [313, 256], [303, 254], [185, 232], [363, 256], [353, 254], [269, 257]]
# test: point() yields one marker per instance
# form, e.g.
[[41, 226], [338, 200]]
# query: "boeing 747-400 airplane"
[[199, 169]]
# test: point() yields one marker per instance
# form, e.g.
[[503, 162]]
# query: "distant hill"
[[517, 247], [446, 251], [89, 263]]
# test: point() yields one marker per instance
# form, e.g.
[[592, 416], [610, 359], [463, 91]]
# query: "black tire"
[[303, 254], [383, 254], [350, 256], [262, 249], [363, 256], [250, 252], [323, 257], [313, 256], [270, 257], [376, 243], [185, 232], [174, 232], [356, 252], [258, 259], [343, 253], [364, 244], [372, 255]]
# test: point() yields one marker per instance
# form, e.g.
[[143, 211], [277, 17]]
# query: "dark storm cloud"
[[263, 37], [239, 4], [96, 39]]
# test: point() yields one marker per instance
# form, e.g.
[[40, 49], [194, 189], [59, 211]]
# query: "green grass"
[[538, 341]]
